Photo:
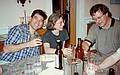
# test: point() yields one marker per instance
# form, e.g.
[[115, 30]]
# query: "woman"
[[55, 31]]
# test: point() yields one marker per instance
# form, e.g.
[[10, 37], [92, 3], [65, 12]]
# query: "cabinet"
[[67, 7]]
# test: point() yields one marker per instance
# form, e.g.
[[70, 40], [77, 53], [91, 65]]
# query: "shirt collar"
[[112, 23]]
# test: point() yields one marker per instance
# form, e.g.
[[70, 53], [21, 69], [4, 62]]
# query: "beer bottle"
[[58, 56], [79, 52], [111, 71], [42, 50]]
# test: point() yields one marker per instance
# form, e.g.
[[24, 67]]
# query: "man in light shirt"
[[104, 33]]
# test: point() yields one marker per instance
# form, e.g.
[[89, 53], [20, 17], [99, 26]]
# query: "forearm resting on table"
[[66, 52], [48, 49], [111, 60], [14, 48]]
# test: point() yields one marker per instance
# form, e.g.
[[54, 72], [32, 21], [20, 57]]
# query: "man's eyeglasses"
[[99, 18]]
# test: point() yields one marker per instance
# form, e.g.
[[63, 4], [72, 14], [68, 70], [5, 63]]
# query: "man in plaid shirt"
[[22, 41]]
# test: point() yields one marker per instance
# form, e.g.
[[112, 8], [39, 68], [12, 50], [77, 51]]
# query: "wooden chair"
[[1, 46], [41, 31]]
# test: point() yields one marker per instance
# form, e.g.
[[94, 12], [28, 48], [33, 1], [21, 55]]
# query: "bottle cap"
[[58, 40], [79, 38]]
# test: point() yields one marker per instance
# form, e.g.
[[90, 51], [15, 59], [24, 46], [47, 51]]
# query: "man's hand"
[[34, 42], [92, 66], [85, 45]]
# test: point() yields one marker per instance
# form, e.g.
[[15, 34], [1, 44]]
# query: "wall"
[[83, 17], [114, 8], [80, 21], [11, 11]]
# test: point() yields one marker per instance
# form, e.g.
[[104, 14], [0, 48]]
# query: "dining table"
[[43, 65]]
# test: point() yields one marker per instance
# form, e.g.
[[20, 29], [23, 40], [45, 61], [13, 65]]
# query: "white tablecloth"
[[52, 71]]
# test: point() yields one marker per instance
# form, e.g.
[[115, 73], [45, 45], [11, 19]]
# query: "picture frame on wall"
[[115, 1]]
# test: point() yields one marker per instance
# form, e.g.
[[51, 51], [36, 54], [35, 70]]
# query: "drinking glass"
[[72, 66], [90, 69], [91, 60]]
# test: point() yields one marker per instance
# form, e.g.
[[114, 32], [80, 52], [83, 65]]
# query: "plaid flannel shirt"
[[16, 35]]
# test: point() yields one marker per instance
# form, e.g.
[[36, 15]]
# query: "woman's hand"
[[67, 51]]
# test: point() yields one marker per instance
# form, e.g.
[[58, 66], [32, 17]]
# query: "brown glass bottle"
[[66, 45], [42, 50], [79, 52], [111, 71], [59, 55]]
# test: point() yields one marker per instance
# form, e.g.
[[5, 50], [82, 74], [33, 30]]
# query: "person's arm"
[[14, 48], [90, 39], [66, 51], [52, 50], [48, 49], [110, 60]]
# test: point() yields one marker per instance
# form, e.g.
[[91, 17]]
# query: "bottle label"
[[56, 61]]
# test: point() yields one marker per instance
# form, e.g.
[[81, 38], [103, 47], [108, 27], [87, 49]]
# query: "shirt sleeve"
[[109, 61], [118, 51], [13, 36], [92, 34], [116, 55]]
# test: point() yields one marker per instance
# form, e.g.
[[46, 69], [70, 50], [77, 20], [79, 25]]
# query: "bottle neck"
[[59, 46], [79, 43]]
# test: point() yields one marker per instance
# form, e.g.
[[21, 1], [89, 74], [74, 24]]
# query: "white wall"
[[10, 11], [114, 8], [80, 19], [83, 17]]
